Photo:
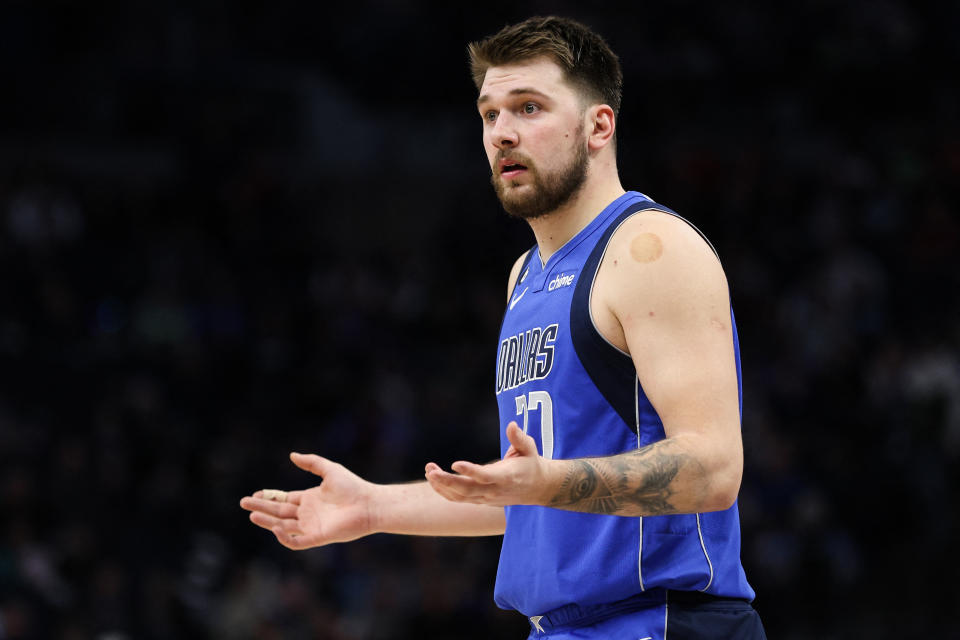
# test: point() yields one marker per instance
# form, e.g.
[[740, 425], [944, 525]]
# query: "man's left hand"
[[521, 477]]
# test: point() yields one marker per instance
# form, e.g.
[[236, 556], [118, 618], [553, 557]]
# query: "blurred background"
[[233, 230]]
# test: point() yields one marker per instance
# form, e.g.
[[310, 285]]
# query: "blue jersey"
[[578, 396]]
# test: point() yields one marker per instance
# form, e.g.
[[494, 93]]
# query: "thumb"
[[522, 443], [309, 462]]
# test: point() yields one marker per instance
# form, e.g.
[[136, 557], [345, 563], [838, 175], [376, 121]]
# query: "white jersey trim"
[[593, 282], [666, 612], [636, 413], [604, 254], [705, 554]]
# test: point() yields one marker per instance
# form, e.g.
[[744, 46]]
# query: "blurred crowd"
[[223, 238]]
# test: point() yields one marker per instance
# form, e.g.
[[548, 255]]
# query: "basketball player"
[[618, 383]]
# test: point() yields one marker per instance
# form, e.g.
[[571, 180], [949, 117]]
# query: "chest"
[[542, 297]]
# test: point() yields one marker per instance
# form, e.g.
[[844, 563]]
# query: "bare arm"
[[662, 297], [345, 507], [416, 509], [658, 479]]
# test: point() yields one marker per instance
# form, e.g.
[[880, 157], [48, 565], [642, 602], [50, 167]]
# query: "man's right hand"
[[337, 510]]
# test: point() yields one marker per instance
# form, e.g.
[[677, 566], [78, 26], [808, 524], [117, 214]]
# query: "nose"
[[503, 134]]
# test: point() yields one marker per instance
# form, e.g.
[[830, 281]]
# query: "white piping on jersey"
[[636, 396], [594, 282], [636, 413], [666, 612], [640, 556], [705, 554], [700, 233], [603, 255]]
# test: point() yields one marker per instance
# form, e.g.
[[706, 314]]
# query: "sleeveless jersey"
[[578, 396]]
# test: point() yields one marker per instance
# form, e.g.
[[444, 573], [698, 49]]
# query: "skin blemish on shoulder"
[[646, 247], [651, 314], [718, 324]]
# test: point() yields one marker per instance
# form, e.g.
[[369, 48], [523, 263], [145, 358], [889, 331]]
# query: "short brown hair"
[[587, 62]]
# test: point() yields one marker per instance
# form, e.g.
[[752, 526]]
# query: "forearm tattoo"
[[641, 482]]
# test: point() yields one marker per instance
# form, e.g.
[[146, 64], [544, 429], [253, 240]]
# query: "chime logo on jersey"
[[526, 356], [562, 280]]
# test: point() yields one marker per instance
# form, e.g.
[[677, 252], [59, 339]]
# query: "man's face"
[[533, 134]]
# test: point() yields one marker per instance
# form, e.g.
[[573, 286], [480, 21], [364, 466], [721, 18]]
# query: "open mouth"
[[512, 169]]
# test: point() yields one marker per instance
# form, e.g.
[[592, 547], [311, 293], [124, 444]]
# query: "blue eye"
[[490, 116], [531, 107]]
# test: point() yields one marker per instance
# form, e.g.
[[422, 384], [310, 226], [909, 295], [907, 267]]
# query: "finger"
[[263, 520], [478, 472], [433, 470], [277, 495], [290, 527], [270, 523], [524, 444], [276, 509], [313, 463], [293, 497], [463, 485], [442, 488], [452, 495]]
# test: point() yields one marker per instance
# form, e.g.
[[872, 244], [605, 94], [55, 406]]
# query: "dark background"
[[232, 230]]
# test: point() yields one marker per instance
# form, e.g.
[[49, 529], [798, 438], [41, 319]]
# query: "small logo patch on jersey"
[[514, 302], [562, 280]]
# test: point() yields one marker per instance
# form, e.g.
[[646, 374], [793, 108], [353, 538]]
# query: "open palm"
[[337, 510]]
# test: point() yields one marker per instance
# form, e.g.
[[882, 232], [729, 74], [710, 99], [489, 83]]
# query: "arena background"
[[232, 230]]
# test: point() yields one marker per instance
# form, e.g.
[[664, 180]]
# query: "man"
[[617, 382]]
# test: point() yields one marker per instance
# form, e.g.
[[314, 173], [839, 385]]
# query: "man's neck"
[[555, 229]]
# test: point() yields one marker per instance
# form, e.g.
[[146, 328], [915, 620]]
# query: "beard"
[[547, 192]]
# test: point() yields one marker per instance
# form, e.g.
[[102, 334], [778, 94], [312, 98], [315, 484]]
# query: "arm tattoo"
[[640, 482], [588, 487]]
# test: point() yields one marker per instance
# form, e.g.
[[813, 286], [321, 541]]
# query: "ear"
[[600, 124]]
